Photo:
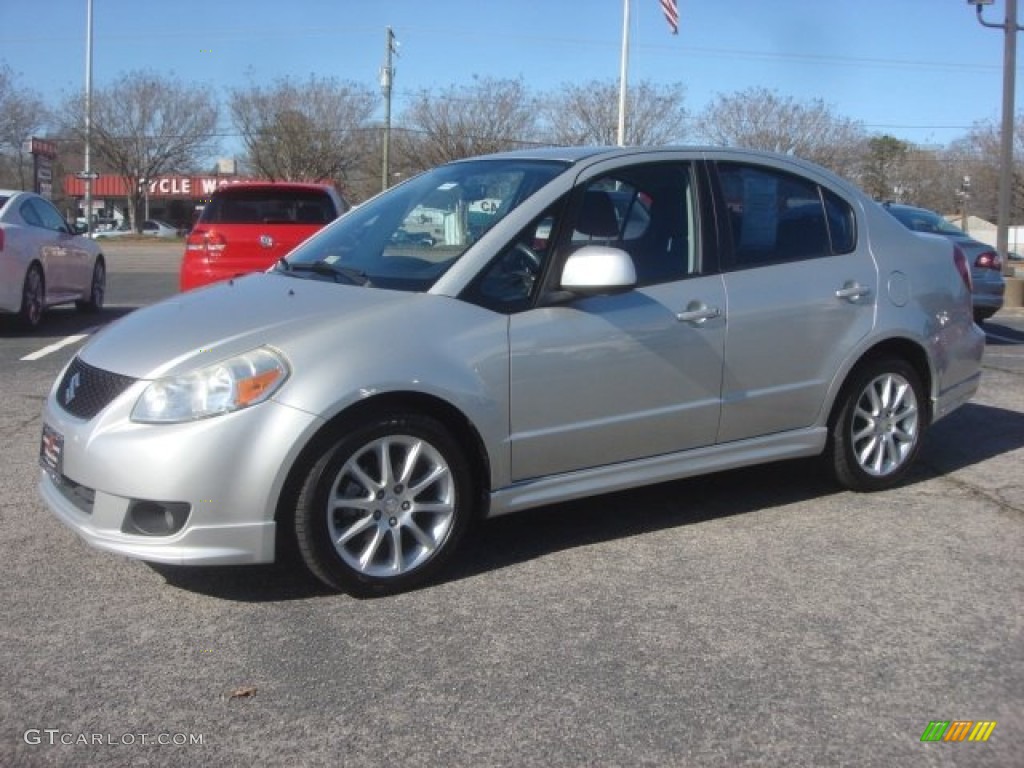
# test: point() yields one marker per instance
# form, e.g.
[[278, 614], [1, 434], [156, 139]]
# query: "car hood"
[[201, 327]]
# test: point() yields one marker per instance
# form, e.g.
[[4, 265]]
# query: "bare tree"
[[489, 115], [304, 131], [22, 113], [758, 118], [588, 113], [144, 125]]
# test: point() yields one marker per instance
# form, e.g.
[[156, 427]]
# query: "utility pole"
[[1010, 29], [387, 74], [623, 75]]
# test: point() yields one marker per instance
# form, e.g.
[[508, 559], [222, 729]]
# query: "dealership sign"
[[193, 187]]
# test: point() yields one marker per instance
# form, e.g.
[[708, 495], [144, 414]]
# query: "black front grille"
[[85, 391]]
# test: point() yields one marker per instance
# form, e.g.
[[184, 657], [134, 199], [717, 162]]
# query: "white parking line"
[[65, 342]]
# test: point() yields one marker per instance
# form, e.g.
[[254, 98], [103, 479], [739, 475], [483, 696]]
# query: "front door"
[[607, 379]]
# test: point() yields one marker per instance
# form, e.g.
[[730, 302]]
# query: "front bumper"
[[225, 473]]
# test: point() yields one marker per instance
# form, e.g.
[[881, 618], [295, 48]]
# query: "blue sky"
[[921, 70]]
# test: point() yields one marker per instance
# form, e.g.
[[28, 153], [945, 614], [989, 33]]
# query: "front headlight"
[[220, 388]]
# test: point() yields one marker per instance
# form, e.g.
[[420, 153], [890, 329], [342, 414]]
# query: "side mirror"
[[79, 229], [598, 269]]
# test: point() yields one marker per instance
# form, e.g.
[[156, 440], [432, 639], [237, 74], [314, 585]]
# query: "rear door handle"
[[852, 291]]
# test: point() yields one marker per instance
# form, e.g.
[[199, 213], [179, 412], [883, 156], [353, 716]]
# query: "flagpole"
[[623, 70]]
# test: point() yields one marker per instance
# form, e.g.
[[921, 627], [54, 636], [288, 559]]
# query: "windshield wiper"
[[322, 267]]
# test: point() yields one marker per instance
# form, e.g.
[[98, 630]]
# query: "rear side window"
[[269, 206], [776, 217]]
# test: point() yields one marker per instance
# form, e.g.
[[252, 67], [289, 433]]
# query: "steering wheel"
[[522, 258], [512, 277]]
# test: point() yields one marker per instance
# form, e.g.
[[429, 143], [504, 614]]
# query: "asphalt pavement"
[[758, 617]]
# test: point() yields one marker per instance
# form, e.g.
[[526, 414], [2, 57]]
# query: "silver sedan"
[[43, 262], [506, 332]]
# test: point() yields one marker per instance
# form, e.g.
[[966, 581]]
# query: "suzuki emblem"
[[266, 241], [69, 393]]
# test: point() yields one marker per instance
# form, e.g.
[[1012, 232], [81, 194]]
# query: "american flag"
[[671, 11]]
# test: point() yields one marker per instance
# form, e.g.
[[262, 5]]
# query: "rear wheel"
[[981, 315], [384, 508], [97, 288], [879, 426], [33, 298]]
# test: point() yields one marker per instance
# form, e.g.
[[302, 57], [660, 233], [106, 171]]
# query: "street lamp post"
[[87, 171], [1010, 29]]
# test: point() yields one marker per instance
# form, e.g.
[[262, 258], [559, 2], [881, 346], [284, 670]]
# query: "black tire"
[[981, 315], [384, 508], [97, 288], [880, 421], [33, 298]]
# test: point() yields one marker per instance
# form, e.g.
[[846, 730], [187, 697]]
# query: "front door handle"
[[697, 314]]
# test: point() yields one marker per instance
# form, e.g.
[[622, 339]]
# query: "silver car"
[[43, 262], [563, 323]]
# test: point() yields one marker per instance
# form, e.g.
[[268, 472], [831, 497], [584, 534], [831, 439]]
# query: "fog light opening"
[[156, 518]]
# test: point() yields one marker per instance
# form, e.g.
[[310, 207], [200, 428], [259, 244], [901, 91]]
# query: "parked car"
[[247, 227], [986, 266], [43, 262], [151, 227], [372, 394], [157, 228], [116, 229]]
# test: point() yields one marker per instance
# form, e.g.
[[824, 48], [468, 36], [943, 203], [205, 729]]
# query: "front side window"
[[649, 211], [777, 217]]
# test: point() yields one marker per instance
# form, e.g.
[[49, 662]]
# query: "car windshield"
[[925, 221], [408, 237]]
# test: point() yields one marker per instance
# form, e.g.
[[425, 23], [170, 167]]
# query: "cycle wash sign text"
[[958, 730]]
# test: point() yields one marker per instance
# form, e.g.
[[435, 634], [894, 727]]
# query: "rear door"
[[75, 272], [801, 290]]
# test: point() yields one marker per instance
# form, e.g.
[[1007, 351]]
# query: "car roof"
[[577, 155]]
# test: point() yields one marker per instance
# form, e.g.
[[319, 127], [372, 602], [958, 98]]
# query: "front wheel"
[[384, 508], [33, 298], [97, 289], [879, 426]]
